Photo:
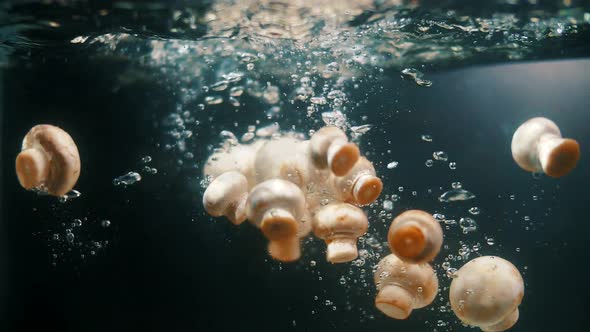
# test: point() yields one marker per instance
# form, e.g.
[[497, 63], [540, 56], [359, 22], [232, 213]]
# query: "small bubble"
[[468, 225], [456, 185], [452, 272], [440, 155], [490, 241], [388, 205], [127, 179], [312, 263], [474, 210], [146, 159], [392, 165], [427, 138], [70, 237], [105, 223], [429, 163], [453, 165]]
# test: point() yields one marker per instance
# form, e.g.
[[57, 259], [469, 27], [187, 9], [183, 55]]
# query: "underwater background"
[[153, 87]]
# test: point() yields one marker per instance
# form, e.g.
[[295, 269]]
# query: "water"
[[431, 93]]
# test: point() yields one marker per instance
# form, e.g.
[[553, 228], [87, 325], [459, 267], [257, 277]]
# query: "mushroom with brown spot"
[[415, 236], [49, 161], [403, 287], [340, 225], [486, 292]]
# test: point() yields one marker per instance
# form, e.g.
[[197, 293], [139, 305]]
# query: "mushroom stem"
[[32, 168], [341, 249], [288, 250], [281, 229], [394, 301], [504, 324], [557, 155]]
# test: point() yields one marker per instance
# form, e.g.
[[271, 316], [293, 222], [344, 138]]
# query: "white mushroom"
[[415, 236], [360, 186], [277, 207], [486, 292], [49, 161], [340, 225], [329, 148], [403, 286], [537, 146], [226, 196]]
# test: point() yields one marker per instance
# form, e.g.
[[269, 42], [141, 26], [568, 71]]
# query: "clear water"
[[430, 90]]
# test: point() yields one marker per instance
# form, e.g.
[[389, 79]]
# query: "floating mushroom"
[[403, 286], [49, 161], [277, 206], [340, 225], [415, 236], [486, 292], [537, 146]]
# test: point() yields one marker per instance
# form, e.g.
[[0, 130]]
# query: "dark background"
[[169, 268]]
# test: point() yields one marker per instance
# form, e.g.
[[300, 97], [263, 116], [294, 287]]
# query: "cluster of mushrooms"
[[288, 187]]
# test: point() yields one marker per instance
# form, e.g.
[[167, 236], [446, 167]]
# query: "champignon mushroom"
[[49, 161], [329, 148], [277, 207], [340, 225], [226, 196], [415, 236], [486, 292], [360, 186], [537, 146], [403, 286]]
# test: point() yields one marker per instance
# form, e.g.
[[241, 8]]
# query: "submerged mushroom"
[[360, 186], [277, 207], [329, 148], [49, 161], [340, 225], [403, 286], [486, 292], [415, 236], [226, 196], [537, 146]]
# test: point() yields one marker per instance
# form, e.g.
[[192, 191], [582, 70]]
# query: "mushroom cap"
[[415, 236], [486, 290], [54, 160], [419, 280], [225, 193], [526, 139], [339, 219], [275, 194]]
